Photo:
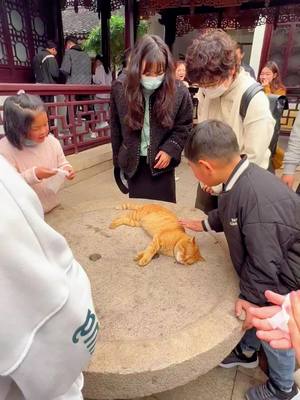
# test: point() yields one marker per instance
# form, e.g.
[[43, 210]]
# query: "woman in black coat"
[[151, 116]]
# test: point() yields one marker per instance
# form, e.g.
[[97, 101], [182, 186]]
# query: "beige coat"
[[255, 132]]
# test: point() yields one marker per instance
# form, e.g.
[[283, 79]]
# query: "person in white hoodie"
[[212, 64], [48, 323], [101, 77]]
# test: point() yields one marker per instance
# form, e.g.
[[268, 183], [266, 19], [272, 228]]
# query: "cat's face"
[[187, 252]]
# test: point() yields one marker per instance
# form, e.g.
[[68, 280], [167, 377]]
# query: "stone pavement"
[[219, 383]]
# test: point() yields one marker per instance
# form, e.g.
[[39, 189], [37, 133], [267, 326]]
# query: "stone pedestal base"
[[161, 326]]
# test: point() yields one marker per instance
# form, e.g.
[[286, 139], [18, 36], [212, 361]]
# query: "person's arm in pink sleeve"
[[62, 162], [30, 176]]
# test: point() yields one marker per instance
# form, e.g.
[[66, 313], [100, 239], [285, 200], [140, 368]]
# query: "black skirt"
[[145, 186]]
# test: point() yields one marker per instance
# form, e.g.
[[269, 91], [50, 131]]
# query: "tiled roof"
[[80, 24]]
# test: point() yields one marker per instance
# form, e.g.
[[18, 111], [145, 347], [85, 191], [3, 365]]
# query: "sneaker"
[[237, 357], [266, 391]]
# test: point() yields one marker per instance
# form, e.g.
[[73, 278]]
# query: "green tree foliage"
[[117, 45]]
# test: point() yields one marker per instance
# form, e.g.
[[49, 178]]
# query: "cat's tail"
[[129, 206]]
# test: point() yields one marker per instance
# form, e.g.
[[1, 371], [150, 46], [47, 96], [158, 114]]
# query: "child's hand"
[[44, 173], [244, 306], [191, 224], [71, 172], [294, 322], [277, 338]]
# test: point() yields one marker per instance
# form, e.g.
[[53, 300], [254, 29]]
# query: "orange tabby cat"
[[169, 237]]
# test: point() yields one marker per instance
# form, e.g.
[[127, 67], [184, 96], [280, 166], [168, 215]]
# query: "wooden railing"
[[78, 115]]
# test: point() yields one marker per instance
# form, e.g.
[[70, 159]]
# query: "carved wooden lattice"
[[150, 7], [79, 121], [38, 28], [91, 4], [18, 31], [235, 18], [3, 49]]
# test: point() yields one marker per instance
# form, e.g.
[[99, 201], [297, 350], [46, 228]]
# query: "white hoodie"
[[254, 134], [47, 319]]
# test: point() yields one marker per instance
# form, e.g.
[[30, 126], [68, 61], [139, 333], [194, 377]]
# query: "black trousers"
[[145, 186]]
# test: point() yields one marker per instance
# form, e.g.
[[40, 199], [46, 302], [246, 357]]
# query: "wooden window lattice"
[[18, 31]]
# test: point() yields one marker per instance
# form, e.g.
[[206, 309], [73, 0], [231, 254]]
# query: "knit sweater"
[[254, 133], [279, 92], [292, 154], [48, 154]]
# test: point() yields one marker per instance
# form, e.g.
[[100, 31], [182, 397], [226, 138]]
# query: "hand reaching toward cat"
[[193, 225], [242, 311]]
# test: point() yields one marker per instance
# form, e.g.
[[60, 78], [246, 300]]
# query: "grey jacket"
[[76, 66], [292, 154], [260, 217]]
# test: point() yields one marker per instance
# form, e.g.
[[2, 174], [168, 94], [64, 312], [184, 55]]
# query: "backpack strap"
[[247, 97]]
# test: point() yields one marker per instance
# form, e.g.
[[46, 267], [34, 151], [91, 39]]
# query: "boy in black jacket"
[[261, 220]]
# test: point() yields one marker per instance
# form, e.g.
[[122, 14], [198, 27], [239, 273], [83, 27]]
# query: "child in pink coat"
[[33, 152]]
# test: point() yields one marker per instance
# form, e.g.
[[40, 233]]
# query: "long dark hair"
[[276, 83], [18, 115], [101, 59], [152, 52]]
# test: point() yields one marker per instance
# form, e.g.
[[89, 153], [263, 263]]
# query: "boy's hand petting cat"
[[193, 225], [44, 173], [243, 307], [71, 172], [163, 160]]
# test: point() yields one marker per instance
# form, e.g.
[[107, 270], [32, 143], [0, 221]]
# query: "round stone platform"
[[161, 326]]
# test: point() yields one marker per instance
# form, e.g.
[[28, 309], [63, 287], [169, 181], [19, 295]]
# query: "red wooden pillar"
[[168, 18], [104, 8], [130, 24]]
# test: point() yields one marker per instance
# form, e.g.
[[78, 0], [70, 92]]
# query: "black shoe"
[[266, 391], [237, 357]]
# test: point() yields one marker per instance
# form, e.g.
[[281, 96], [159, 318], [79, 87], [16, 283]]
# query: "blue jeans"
[[281, 363]]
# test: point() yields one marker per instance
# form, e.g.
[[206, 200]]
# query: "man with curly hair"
[[212, 64]]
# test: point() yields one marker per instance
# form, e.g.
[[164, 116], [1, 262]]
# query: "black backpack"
[[277, 105]]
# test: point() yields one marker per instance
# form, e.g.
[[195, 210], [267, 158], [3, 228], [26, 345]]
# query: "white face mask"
[[214, 92], [152, 82]]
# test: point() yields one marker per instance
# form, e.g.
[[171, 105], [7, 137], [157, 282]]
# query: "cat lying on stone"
[[169, 237]]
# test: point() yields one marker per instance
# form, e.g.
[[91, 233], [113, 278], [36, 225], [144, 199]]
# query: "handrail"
[[77, 116], [9, 89]]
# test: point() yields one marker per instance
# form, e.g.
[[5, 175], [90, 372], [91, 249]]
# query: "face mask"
[[29, 143], [214, 92], [152, 82]]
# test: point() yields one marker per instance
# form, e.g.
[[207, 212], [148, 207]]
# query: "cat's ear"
[[194, 240]]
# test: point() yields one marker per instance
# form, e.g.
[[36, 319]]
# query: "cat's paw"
[[113, 225], [139, 256], [142, 262], [142, 259]]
